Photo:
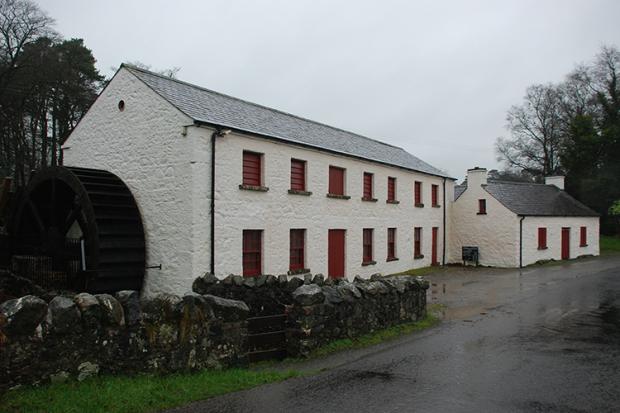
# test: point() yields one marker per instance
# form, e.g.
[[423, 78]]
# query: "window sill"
[[299, 271], [481, 213], [254, 188], [392, 201], [419, 205], [542, 248], [336, 196], [369, 199], [583, 245], [365, 263], [391, 259], [298, 192], [437, 206], [418, 257]]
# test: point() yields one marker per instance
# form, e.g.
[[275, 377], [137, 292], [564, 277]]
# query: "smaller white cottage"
[[514, 224]]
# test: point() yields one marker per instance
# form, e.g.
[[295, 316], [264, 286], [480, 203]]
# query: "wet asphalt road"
[[536, 340]]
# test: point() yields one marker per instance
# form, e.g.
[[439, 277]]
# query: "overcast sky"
[[434, 77]]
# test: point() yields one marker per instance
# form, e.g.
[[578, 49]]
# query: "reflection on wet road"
[[545, 340]]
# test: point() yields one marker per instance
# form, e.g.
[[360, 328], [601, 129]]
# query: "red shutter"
[[418, 192], [298, 175], [391, 243], [434, 200], [417, 242], [251, 168], [336, 180], [583, 239], [391, 195], [367, 185], [482, 206], [367, 245], [252, 252], [297, 249], [542, 238]]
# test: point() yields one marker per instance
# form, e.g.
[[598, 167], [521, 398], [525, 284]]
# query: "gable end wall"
[[144, 146], [496, 234]]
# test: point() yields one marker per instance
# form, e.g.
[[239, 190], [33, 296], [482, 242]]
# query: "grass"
[[149, 393], [421, 271], [143, 393], [376, 337], [609, 244]]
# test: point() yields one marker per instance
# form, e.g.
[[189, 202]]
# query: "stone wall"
[[320, 310], [321, 314], [59, 337], [82, 335], [264, 295]]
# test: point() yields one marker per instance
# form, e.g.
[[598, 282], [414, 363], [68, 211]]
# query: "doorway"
[[565, 243], [335, 253]]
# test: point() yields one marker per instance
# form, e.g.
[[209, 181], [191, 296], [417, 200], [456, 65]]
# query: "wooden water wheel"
[[79, 229]]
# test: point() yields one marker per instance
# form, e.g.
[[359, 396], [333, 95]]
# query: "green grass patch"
[[376, 337], [143, 393], [610, 244], [421, 271]]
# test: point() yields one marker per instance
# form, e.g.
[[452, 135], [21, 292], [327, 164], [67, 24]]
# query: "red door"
[[565, 243], [434, 247], [335, 253]]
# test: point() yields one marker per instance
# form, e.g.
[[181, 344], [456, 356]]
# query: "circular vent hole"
[[121, 105]]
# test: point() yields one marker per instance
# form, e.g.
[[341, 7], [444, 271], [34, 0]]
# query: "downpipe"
[[521, 242]]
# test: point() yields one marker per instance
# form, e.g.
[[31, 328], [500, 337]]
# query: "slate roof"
[[528, 199], [204, 105]]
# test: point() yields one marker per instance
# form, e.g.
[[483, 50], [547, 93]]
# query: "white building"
[[515, 224], [227, 186]]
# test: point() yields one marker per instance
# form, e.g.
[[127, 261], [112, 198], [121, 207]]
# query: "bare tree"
[[171, 73], [535, 128]]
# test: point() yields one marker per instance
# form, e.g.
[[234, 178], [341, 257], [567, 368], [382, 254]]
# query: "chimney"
[[555, 180], [476, 177]]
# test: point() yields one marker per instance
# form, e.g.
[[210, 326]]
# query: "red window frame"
[[583, 237], [252, 168], [391, 188], [336, 180], [367, 245], [252, 252], [435, 195], [367, 185], [297, 249], [542, 238], [482, 206], [391, 243], [298, 175], [417, 192], [417, 242]]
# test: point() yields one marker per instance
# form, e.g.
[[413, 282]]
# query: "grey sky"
[[435, 77]]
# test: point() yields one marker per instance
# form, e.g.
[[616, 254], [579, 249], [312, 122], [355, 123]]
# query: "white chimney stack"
[[555, 180], [476, 177]]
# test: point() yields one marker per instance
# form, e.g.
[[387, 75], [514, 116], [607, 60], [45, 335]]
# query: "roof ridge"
[[499, 181], [133, 67]]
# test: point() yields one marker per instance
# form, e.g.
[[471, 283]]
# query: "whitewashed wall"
[[496, 234], [554, 225], [277, 211], [167, 168], [144, 146]]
